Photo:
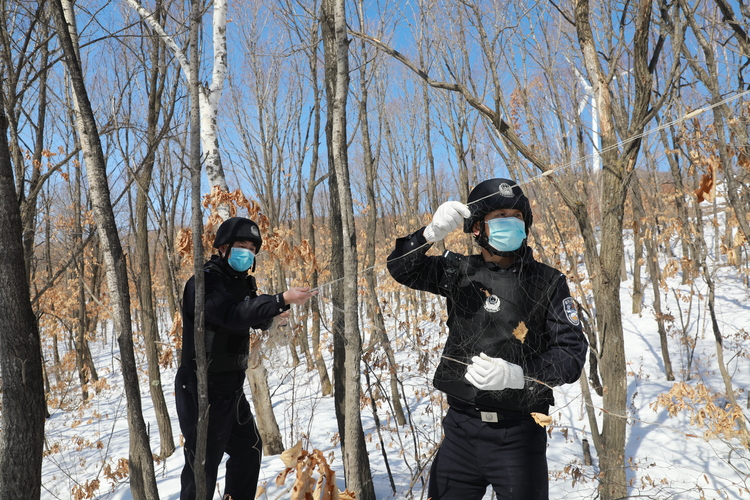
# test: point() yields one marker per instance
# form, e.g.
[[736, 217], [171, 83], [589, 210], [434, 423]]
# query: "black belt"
[[490, 416]]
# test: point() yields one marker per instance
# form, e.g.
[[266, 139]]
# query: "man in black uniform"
[[514, 334], [232, 308]]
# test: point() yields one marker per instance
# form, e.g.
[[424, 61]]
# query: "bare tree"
[[20, 360], [354, 450], [143, 479], [308, 36], [371, 230], [196, 226], [155, 86], [710, 74]]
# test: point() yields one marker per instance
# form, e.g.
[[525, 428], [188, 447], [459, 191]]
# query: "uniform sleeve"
[[410, 266], [188, 298], [563, 362], [225, 311]]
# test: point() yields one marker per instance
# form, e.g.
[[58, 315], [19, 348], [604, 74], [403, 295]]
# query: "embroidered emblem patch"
[[505, 190], [492, 304], [254, 230], [571, 311]]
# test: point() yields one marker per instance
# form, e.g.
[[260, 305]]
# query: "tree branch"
[[500, 125]]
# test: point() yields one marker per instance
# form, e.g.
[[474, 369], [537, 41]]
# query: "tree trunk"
[[688, 260], [29, 204], [312, 184], [652, 264], [268, 428], [142, 478], [354, 450], [84, 361], [617, 170], [373, 304], [196, 225], [637, 258], [149, 321], [23, 405]]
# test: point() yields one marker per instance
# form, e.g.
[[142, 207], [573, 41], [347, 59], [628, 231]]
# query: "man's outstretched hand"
[[298, 295]]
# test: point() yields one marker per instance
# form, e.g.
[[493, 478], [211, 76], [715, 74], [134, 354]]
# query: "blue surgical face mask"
[[241, 259], [506, 234]]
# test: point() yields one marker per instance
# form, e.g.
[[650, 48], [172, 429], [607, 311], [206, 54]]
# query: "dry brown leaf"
[[705, 191], [281, 478], [291, 456], [542, 419], [303, 482], [325, 488], [305, 487], [175, 335], [521, 331]]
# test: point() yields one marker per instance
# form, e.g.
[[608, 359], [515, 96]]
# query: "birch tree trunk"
[[209, 96], [354, 450], [23, 405], [140, 461]]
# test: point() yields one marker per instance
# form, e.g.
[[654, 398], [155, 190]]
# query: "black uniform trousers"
[[510, 455], [231, 429]]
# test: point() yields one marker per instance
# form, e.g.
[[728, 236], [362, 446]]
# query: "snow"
[[667, 456]]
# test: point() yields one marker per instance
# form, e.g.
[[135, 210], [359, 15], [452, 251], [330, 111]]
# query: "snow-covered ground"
[[668, 457]]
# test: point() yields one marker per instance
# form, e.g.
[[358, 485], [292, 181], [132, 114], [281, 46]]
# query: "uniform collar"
[[527, 257]]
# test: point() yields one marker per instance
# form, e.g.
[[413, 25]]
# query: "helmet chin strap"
[[484, 242]]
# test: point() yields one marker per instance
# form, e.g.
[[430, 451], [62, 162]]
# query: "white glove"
[[448, 217], [494, 374]]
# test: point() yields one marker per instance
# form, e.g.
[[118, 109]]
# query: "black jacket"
[[486, 304], [232, 308]]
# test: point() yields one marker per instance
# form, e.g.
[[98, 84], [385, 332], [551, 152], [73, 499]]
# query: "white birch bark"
[[210, 95]]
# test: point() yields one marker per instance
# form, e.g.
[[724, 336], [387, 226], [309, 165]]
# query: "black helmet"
[[238, 229], [494, 194]]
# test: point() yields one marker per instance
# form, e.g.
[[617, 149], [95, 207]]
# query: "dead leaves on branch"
[[717, 417], [305, 465], [276, 242]]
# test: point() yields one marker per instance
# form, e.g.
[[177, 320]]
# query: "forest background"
[[340, 126]]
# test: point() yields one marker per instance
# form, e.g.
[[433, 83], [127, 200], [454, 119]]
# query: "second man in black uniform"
[[514, 334]]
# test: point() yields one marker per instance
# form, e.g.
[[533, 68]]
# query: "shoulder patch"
[[571, 311]]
